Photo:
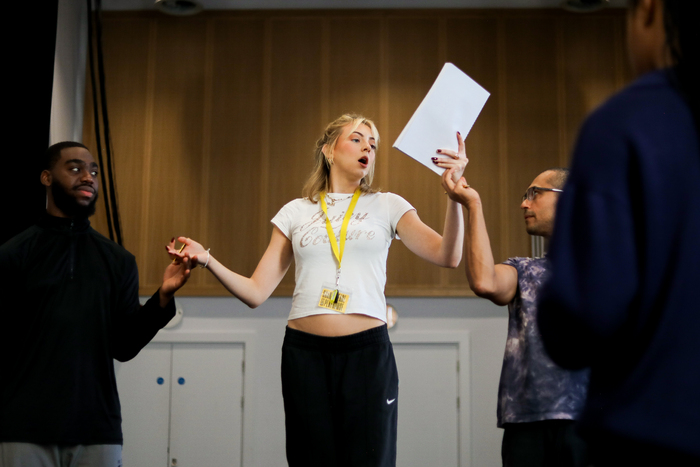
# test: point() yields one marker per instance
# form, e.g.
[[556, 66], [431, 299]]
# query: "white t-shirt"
[[371, 229]]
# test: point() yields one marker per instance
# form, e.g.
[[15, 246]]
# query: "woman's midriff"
[[334, 325]]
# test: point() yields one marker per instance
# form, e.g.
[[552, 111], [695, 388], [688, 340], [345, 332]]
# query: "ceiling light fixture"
[[179, 7], [584, 6]]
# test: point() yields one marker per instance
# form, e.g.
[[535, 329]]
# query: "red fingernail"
[[439, 150], [172, 239]]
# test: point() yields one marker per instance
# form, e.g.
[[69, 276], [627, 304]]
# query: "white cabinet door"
[[144, 391], [206, 409], [182, 405], [428, 428]]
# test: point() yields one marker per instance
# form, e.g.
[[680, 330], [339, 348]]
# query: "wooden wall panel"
[[531, 114], [214, 118], [177, 139], [590, 58], [296, 120], [413, 61], [235, 169], [354, 70], [485, 168], [126, 48]]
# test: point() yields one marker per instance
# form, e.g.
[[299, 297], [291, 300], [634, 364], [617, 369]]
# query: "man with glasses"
[[537, 400]]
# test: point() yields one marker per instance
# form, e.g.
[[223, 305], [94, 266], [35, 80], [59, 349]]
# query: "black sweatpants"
[[340, 399], [613, 451], [548, 443]]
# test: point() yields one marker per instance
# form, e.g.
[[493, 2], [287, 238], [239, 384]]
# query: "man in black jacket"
[[69, 307]]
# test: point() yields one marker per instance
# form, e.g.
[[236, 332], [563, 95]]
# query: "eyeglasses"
[[533, 190]]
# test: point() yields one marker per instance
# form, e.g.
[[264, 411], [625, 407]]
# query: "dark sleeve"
[[134, 325], [6, 277], [594, 274], [14, 315], [10, 292]]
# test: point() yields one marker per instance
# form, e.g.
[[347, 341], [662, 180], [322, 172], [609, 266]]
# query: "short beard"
[[69, 206], [533, 231], [537, 231]]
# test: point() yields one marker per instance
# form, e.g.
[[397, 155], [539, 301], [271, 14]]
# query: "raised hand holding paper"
[[452, 105]]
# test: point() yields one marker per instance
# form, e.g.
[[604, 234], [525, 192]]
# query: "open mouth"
[[364, 160]]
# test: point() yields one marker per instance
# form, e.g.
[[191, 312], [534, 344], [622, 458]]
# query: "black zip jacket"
[[68, 306]]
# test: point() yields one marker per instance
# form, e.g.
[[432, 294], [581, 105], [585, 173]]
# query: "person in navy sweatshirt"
[[625, 252]]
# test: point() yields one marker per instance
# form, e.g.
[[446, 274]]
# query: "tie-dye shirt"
[[532, 387]]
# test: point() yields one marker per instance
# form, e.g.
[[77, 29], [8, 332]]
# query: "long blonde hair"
[[319, 180]]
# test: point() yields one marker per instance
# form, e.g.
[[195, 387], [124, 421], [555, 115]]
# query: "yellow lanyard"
[[338, 251]]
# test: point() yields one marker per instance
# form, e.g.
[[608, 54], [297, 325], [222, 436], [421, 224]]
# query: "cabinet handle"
[[173, 462], [181, 380]]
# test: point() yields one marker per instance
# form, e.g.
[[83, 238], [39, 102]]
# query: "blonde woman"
[[339, 378]]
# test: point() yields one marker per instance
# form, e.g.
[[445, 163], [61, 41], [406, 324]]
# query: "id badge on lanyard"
[[333, 297]]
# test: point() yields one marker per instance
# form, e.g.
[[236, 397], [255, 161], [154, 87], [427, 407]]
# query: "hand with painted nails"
[[176, 273], [189, 248], [449, 159]]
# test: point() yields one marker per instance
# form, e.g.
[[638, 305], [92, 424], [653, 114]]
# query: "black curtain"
[[30, 47]]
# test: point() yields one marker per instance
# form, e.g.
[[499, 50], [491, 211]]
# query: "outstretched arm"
[[445, 250], [133, 326], [496, 282], [252, 291]]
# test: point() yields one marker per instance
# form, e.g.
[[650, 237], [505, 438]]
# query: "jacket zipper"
[[71, 260]]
